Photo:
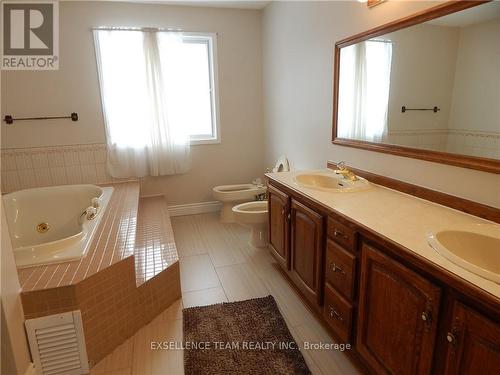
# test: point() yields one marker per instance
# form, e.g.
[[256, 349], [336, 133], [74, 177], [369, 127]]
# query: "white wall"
[[477, 71], [422, 73], [74, 87], [15, 354], [298, 41]]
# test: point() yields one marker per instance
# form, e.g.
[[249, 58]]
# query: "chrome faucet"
[[345, 172]]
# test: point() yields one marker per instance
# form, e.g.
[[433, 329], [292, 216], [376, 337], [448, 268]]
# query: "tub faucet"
[[90, 213], [261, 197], [345, 172], [96, 202]]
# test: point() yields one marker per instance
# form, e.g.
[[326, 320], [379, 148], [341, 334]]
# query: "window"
[[195, 89], [364, 87], [188, 80], [197, 82]]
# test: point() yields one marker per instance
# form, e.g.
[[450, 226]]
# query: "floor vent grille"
[[57, 344]]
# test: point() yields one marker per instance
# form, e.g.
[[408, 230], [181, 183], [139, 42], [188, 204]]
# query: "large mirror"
[[427, 86]]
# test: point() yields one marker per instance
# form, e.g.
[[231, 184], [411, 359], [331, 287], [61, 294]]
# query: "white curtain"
[[364, 86], [134, 81]]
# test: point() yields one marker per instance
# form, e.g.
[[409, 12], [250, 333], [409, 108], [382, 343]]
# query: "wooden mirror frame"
[[473, 162]]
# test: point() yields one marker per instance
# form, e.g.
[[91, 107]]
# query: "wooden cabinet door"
[[397, 318], [306, 250], [278, 208], [473, 343]]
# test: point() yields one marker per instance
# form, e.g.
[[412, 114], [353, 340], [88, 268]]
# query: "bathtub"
[[54, 224]]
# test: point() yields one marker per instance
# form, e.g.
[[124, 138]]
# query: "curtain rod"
[[169, 29]]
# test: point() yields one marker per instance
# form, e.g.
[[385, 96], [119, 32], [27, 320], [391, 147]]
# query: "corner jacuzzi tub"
[[54, 224]]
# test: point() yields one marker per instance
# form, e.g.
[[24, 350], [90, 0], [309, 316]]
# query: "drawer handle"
[[339, 233], [335, 314], [336, 268], [287, 217]]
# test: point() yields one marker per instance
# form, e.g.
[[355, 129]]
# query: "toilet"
[[253, 215], [231, 195]]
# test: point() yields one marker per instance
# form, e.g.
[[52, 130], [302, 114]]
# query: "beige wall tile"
[[24, 168]]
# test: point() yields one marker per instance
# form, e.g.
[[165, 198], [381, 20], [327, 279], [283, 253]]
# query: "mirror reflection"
[[433, 86]]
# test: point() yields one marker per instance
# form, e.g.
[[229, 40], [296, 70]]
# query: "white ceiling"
[[477, 14], [256, 4], [221, 4]]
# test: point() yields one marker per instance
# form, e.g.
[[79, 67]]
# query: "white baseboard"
[[151, 195], [194, 208]]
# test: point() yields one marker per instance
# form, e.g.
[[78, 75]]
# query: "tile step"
[[155, 248]]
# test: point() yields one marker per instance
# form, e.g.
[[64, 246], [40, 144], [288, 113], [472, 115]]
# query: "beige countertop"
[[402, 218]]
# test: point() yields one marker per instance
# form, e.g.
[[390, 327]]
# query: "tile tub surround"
[[402, 218], [155, 247], [468, 142], [113, 307], [24, 168], [113, 241], [124, 294]]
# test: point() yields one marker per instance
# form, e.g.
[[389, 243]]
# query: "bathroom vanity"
[[362, 263]]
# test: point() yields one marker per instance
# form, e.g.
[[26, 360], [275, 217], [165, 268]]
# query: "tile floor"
[[218, 265]]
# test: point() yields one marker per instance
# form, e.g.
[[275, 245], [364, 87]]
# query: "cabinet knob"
[[282, 212], [425, 316], [288, 217], [451, 338]]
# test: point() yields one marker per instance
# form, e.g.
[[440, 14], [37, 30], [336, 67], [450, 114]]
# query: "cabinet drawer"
[[338, 314], [340, 269], [342, 234]]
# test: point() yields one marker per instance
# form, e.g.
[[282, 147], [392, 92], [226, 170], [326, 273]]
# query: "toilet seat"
[[251, 212], [253, 215], [231, 195], [255, 207]]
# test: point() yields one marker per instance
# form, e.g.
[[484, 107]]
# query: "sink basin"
[[475, 248], [329, 182]]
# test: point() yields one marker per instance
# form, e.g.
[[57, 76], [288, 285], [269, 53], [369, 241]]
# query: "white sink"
[[329, 182], [475, 247]]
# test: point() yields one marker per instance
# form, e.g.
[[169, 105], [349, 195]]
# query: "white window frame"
[[211, 40]]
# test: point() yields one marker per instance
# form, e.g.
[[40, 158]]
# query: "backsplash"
[[24, 168], [432, 139], [474, 143]]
